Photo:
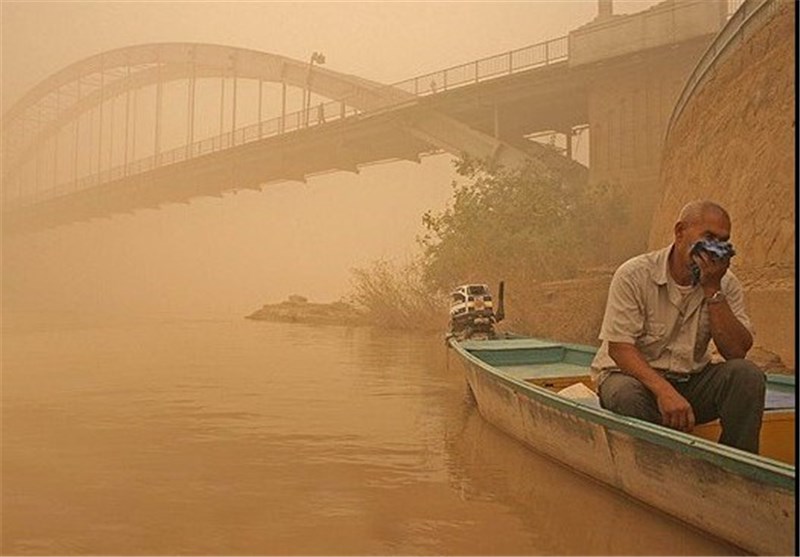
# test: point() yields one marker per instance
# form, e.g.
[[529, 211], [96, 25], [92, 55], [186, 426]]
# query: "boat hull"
[[698, 482]]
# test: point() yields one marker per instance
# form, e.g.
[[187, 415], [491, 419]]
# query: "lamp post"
[[319, 58]]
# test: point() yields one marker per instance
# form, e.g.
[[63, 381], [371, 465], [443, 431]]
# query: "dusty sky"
[[236, 253]]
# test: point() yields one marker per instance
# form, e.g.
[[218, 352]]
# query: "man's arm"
[[676, 412], [731, 337]]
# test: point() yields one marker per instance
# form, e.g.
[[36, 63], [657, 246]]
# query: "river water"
[[163, 436]]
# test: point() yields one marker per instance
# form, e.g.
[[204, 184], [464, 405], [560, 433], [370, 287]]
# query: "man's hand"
[[712, 270], [676, 412], [731, 337]]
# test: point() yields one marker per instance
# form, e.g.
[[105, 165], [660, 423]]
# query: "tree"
[[519, 224]]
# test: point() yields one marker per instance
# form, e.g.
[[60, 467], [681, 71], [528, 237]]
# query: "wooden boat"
[[540, 392]]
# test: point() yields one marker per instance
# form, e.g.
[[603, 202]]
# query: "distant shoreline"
[[298, 309]]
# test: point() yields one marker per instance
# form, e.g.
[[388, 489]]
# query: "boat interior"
[[564, 369]]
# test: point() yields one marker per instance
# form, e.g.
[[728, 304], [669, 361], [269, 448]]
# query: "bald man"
[[663, 309]]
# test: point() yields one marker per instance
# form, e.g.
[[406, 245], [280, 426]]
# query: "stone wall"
[[567, 311]]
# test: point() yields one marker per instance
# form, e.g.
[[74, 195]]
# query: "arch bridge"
[[152, 124]]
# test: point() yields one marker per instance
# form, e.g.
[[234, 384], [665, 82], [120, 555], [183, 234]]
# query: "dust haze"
[[234, 253]]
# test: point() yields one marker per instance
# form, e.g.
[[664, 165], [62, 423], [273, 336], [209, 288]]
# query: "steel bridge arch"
[[40, 114], [150, 64]]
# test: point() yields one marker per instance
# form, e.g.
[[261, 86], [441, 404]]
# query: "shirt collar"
[[662, 265]]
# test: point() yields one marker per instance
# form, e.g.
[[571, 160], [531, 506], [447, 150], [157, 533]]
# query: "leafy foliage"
[[517, 224]]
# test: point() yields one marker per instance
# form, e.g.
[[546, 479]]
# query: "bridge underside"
[[345, 145], [390, 123], [280, 158]]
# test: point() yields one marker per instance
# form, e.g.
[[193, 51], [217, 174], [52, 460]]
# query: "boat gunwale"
[[776, 473]]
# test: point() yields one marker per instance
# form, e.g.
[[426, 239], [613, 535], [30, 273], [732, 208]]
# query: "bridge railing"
[[533, 56], [381, 98]]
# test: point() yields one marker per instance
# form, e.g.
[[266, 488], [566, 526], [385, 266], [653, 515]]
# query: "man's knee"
[[742, 404], [740, 387], [626, 395], [745, 376]]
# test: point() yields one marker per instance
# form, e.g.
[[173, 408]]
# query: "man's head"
[[698, 220], [701, 220]]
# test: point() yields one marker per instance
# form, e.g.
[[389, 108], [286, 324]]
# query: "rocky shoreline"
[[297, 309]]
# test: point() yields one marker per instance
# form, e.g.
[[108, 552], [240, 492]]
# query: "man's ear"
[[678, 229]]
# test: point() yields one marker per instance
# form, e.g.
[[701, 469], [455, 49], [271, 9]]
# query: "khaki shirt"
[[646, 308]]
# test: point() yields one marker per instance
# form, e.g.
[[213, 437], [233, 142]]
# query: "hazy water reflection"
[[226, 436]]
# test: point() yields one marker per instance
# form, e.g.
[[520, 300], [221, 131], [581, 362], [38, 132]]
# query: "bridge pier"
[[637, 66]]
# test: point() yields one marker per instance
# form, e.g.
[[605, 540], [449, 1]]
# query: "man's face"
[[713, 225]]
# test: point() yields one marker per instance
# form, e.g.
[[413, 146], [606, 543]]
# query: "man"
[[663, 309]]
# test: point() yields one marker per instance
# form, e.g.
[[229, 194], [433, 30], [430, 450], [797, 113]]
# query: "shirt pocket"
[[654, 331]]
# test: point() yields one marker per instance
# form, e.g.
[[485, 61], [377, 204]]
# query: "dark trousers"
[[732, 391]]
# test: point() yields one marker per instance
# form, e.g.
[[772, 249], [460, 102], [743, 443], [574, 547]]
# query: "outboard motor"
[[472, 313]]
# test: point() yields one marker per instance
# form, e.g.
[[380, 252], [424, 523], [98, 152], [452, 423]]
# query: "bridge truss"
[[119, 117]]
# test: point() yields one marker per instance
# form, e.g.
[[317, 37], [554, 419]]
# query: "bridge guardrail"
[[748, 14], [477, 71]]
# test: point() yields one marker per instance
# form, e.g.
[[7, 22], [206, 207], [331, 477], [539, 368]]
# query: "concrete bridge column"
[[637, 66], [628, 112]]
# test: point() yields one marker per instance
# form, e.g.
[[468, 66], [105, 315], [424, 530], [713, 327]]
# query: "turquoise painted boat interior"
[[529, 351]]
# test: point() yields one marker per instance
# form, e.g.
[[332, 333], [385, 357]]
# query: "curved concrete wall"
[[735, 143]]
